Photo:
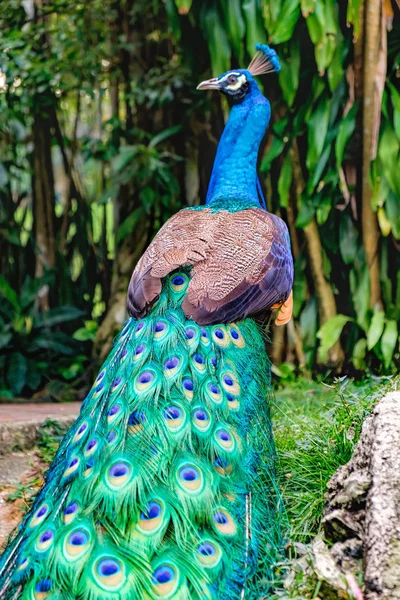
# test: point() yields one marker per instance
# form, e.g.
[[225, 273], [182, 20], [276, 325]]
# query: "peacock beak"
[[209, 84]]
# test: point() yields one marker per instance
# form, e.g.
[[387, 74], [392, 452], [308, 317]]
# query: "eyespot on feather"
[[44, 541], [81, 432], [42, 589], [70, 512], [40, 515], [114, 413], [165, 580], [160, 330], [190, 478], [118, 474], [144, 381], [76, 543], [188, 386], [73, 466], [208, 553], [109, 573], [201, 419], [136, 421], [178, 283], [223, 522], [198, 363], [152, 518], [175, 417], [236, 336], [220, 336]]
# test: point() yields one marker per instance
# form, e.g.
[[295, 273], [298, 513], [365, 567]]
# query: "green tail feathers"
[[165, 485]]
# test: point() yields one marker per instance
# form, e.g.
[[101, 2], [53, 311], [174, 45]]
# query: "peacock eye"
[[232, 79]]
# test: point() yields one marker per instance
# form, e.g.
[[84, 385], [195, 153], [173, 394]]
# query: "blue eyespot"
[[108, 567], [43, 586], [163, 574], [152, 511], [178, 280]]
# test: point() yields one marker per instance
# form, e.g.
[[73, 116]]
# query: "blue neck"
[[234, 175]]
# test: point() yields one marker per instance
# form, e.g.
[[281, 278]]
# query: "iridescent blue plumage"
[[234, 175]]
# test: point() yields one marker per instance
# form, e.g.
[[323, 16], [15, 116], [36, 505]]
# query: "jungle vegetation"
[[103, 137]]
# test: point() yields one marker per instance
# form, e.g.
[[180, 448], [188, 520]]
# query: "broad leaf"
[[16, 375], [389, 341], [183, 6], [317, 128], [290, 72], [55, 316], [345, 131], [359, 353], [9, 293], [284, 181], [376, 328], [235, 25], [255, 30], [330, 332], [348, 239]]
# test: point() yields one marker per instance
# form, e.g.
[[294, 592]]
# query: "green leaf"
[[164, 135], [330, 332], [218, 44], [3, 176], [307, 7], [388, 152], [336, 69], [129, 224], [388, 342], [9, 293], [125, 156], [284, 181], [282, 30], [183, 6], [316, 24], [173, 18], [375, 329], [345, 131], [5, 338], [290, 73], [359, 353], [395, 98], [87, 333], [317, 129], [306, 214], [235, 25], [52, 343], [353, 15], [348, 239], [273, 152], [255, 30], [360, 292], [55, 316], [393, 213], [16, 375], [33, 376]]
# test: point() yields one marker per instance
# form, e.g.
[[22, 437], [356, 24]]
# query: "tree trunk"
[[375, 59], [43, 202]]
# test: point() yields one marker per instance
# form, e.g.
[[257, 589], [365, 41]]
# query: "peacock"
[[165, 486]]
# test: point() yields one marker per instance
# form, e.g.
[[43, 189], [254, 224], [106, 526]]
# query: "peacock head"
[[237, 83]]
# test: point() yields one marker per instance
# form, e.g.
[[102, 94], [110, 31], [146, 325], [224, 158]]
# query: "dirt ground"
[[20, 477]]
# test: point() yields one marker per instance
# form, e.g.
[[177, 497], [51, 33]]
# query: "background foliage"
[[103, 136]]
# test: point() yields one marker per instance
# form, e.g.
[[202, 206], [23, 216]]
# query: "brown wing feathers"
[[229, 253]]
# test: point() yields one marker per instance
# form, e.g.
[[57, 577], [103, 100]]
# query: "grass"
[[316, 428]]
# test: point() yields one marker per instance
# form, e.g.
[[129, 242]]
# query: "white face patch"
[[241, 79]]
